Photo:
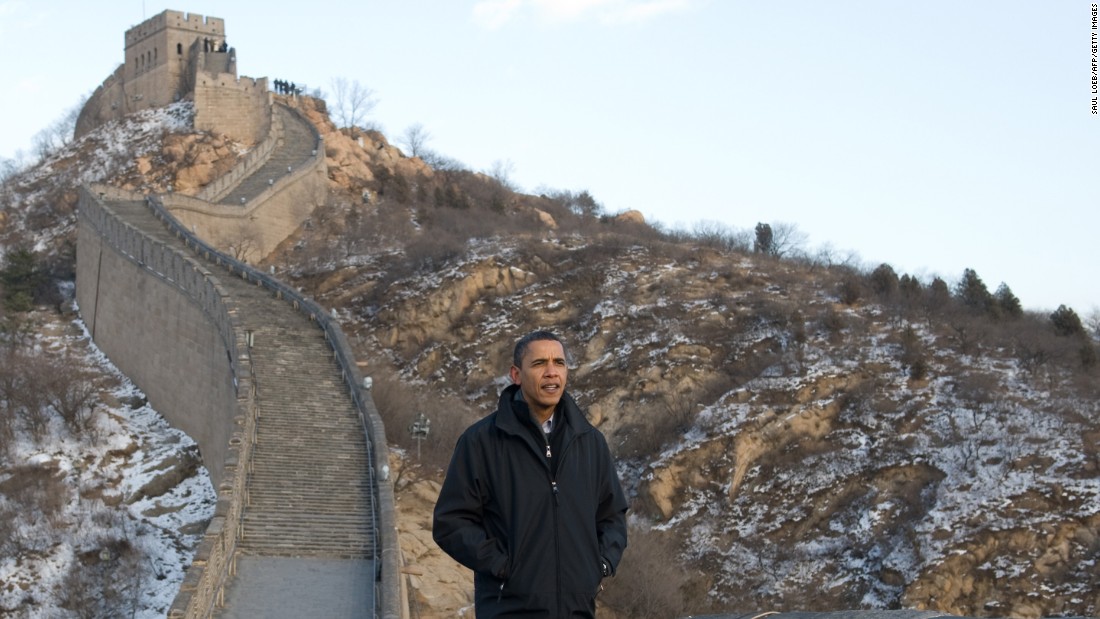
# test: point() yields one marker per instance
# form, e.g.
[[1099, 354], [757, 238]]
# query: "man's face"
[[542, 377]]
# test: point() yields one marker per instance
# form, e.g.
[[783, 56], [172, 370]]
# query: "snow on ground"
[[987, 457], [111, 527]]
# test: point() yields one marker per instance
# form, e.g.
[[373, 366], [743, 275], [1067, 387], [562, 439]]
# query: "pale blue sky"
[[935, 136]]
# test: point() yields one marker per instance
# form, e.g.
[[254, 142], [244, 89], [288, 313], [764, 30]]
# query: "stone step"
[[294, 150], [308, 489]]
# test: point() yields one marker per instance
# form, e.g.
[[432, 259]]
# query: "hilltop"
[[794, 434]]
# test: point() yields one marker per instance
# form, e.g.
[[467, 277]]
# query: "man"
[[531, 502]]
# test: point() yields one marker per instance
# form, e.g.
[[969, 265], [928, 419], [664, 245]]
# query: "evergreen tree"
[[972, 292], [1007, 304], [765, 239], [1066, 322], [909, 287], [884, 281], [21, 278], [938, 294]]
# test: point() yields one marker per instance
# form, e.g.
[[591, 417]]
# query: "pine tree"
[[1007, 304], [972, 292], [21, 278], [938, 294], [765, 239], [884, 281], [910, 287], [1066, 322]]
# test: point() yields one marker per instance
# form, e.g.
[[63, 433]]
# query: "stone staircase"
[[309, 494], [296, 147]]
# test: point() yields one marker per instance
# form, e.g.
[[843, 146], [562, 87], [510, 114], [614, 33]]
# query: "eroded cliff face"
[[775, 433]]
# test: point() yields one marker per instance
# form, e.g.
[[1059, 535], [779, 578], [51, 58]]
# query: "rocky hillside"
[[794, 434], [801, 435]]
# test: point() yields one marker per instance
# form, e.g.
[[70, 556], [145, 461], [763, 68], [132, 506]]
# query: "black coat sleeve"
[[611, 511], [458, 524]]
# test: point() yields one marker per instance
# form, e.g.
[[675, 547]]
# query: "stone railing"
[[254, 160], [389, 600], [204, 584]]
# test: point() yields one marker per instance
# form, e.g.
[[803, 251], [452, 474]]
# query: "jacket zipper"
[[557, 543]]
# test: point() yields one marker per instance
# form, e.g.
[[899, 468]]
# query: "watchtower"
[[176, 55], [163, 52]]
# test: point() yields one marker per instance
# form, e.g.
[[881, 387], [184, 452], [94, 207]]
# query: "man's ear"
[[514, 373]]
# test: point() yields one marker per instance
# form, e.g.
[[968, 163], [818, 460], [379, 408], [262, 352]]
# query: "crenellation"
[[161, 58]]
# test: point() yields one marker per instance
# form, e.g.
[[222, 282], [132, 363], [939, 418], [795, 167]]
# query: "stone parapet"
[[253, 229], [252, 161], [117, 261], [226, 104], [392, 603]]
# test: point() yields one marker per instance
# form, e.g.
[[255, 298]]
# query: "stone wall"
[[107, 103], [165, 321], [222, 186], [231, 106], [267, 219]]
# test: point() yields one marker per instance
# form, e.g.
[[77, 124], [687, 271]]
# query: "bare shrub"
[[70, 391], [431, 252], [913, 353], [105, 581], [9, 512], [668, 418], [29, 399], [38, 490], [968, 331], [9, 390], [1032, 350], [645, 588], [978, 388], [833, 323], [401, 404]]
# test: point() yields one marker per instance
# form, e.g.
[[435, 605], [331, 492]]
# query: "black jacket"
[[535, 530]]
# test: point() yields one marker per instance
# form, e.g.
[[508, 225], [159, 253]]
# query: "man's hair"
[[534, 336]]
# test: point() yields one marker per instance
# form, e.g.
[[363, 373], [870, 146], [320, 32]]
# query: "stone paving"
[[298, 588]]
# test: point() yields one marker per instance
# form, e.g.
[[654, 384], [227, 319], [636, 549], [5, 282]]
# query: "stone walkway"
[[275, 588], [307, 547]]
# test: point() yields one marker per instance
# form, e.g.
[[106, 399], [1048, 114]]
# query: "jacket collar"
[[567, 412]]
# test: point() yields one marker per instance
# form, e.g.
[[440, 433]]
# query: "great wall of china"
[[233, 357], [260, 376]]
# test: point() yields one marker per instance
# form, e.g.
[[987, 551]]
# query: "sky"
[[934, 136]]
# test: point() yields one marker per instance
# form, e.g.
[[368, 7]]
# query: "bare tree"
[[415, 139], [10, 167], [244, 241], [31, 402], [70, 391], [354, 102], [502, 171], [58, 135], [719, 235], [786, 240]]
